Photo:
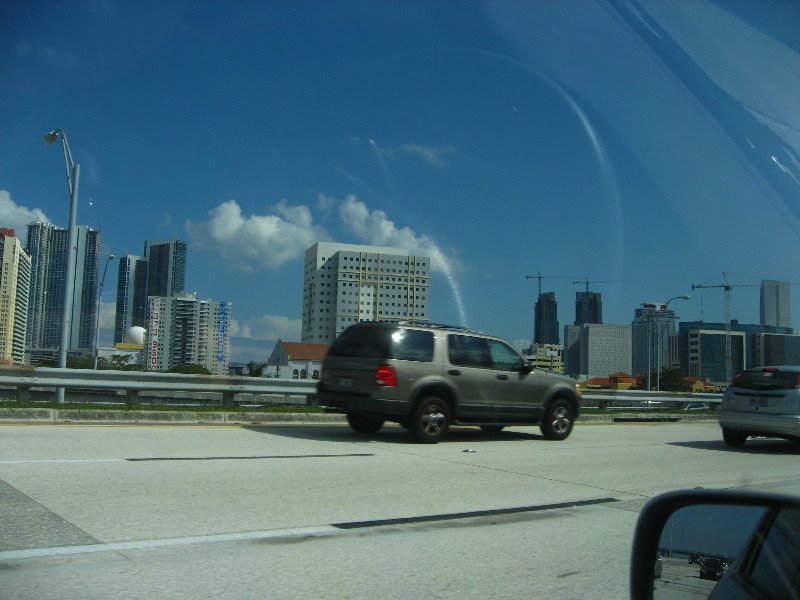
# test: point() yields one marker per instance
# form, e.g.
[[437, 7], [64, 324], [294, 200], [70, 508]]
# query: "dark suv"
[[426, 376]]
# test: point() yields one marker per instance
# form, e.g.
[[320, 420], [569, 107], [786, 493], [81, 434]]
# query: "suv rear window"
[[384, 343], [767, 379]]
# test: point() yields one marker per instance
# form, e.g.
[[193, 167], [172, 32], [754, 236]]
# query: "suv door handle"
[[454, 372], [501, 376]]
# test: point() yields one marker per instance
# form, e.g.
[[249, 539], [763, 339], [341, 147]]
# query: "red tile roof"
[[305, 350]]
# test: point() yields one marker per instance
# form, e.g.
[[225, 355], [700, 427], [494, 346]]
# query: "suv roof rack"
[[437, 326]]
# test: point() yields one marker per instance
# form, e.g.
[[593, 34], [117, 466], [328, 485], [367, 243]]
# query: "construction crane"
[[540, 277], [587, 282], [727, 286]]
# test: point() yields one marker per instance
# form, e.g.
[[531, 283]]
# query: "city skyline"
[[254, 132]]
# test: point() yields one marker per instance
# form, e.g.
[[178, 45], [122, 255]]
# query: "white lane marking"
[[145, 544], [62, 460]]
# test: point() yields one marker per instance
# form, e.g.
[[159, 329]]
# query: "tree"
[[670, 380], [189, 370], [79, 361], [673, 381], [255, 369]]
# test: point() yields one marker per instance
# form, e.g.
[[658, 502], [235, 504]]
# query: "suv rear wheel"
[[558, 420], [735, 439], [362, 423], [430, 420]]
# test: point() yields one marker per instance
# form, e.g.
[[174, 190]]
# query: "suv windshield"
[[767, 379], [384, 343]]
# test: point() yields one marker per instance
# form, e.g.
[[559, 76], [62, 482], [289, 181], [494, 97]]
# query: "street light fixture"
[[658, 339], [73, 178], [97, 325]]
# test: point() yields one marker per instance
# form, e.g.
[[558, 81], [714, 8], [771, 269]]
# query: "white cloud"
[[17, 217], [267, 327], [257, 241], [433, 156], [108, 311], [376, 229]]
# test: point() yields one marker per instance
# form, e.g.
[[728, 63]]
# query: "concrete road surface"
[[91, 512]]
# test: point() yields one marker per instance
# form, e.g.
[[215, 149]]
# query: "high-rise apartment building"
[[345, 283], [588, 308], [15, 282], [776, 303], [160, 272], [47, 246], [183, 330], [651, 331], [546, 329]]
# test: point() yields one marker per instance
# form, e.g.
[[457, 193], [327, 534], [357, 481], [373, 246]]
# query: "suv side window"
[[411, 344], [503, 356], [468, 351]]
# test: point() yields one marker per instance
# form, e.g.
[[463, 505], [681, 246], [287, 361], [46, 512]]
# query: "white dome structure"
[[135, 335]]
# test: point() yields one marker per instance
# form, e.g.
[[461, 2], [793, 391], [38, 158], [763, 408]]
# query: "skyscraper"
[[161, 272], [47, 246], [14, 291], [546, 320], [166, 267], [345, 283], [651, 332], [588, 308], [131, 295], [776, 305]]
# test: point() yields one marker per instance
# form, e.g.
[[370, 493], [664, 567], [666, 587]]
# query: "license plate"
[[345, 382], [758, 401]]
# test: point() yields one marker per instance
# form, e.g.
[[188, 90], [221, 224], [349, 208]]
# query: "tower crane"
[[587, 282], [540, 277]]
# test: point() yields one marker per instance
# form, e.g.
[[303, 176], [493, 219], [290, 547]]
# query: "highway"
[[189, 512]]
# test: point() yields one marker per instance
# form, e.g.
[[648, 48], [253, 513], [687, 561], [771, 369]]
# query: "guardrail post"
[[132, 397], [23, 393], [228, 398]]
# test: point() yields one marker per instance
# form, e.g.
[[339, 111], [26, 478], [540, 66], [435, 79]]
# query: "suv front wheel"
[[430, 420], [558, 420]]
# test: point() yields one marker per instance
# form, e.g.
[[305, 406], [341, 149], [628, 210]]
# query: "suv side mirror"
[[717, 545], [526, 368]]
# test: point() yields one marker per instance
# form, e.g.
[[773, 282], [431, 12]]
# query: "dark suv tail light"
[[386, 375]]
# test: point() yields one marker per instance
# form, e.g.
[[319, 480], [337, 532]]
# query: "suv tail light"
[[386, 375]]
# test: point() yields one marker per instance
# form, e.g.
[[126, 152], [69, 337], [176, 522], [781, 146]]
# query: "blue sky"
[[649, 145]]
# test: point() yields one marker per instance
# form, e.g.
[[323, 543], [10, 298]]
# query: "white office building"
[[595, 350], [344, 284], [184, 330]]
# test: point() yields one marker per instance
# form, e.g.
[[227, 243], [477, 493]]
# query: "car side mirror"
[[526, 368], [717, 545]]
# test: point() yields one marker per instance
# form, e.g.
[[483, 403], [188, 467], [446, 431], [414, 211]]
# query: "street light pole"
[[73, 178], [97, 324], [658, 337]]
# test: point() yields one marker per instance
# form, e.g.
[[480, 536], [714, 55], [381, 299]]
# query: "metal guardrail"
[[134, 382], [605, 398]]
